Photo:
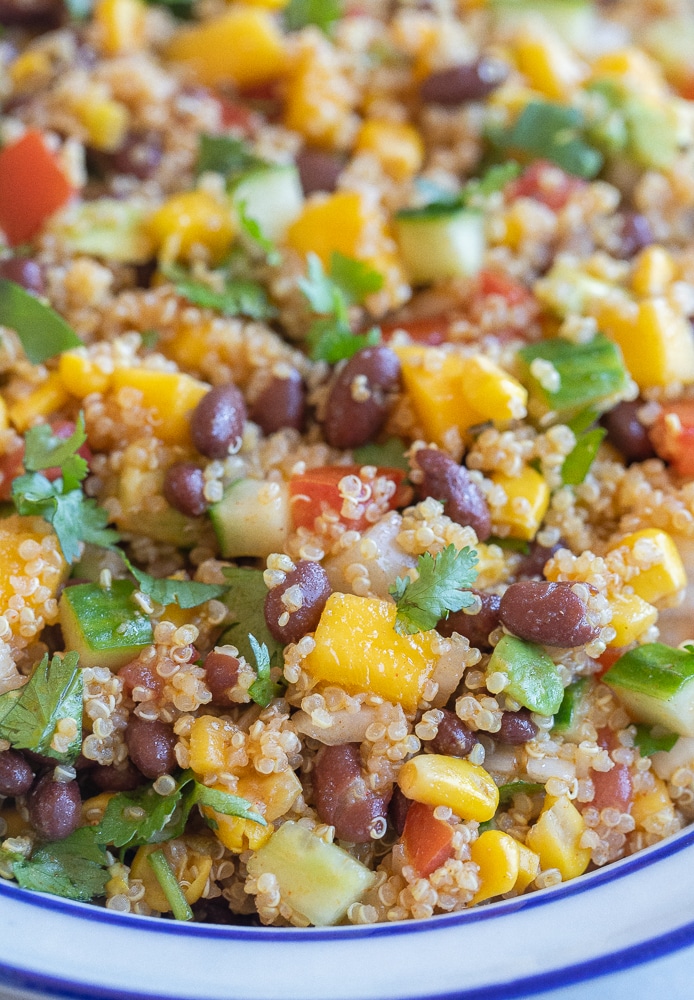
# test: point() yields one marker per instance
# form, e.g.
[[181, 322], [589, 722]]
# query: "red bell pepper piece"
[[545, 182], [672, 436], [428, 841], [318, 490], [32, 187]]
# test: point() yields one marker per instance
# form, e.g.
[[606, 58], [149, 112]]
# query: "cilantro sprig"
[[245, 600], [185, 593], [473, 193], [348, 283], [554, 132], [75, 868], [61, 502], [239, 294], [323, 13], [263, 689], [437, 591], [43, 333]]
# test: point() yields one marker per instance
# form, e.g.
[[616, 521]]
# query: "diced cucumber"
[[656, 685], [568, 291], [590, 374], [252, 518], [574, 20], [319, 880], [440, 241], [168, 526], [574, 709], [272, 195], [533, 678], [104, 625], [107, 227]]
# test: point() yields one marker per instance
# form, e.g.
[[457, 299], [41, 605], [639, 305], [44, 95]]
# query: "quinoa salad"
[[346, 450]]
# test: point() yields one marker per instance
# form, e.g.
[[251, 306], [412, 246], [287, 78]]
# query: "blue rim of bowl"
[[634, 955]]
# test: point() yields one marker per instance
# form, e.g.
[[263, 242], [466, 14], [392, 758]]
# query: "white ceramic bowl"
[[623, 921]]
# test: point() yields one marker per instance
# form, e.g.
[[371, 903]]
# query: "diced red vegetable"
[[317, 490], [613, 789], [545, 182], [610, 656], [673, 436], [496, 283], [428, 841], [429, 330], [11, 466], [238, 116], [32, 187]]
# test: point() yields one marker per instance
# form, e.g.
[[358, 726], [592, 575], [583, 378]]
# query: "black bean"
[[358, 402], [453, 738], [184, 486], [635, 235], [342, 797], [466, 82], [221, 674], [398, 810], [140, 155], [25, 272], [55, 807], [151, 746], [516, 728], [318, 170], [548, 613], [109, 778], [533, 564], [31, 12], [16, 776], [217, 421], [445, 480], [626, 432], [476, 628], [312, 580], [282, 403]]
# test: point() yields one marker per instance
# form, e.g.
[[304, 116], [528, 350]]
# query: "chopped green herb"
[[553, 132], [391, 454], [185, 593], [79, 9], [510, 544], [52, 693], [436, 591], [332, 340], [44, 450], [169, 885], [246, 600], [323, 13], [475, 190], [263, 689], [226, 155], [41, 331], [579, 460], [354, 278], [238, 297], [653, 739], [150, 339], [75, 868], [507, 792], [252, 229]]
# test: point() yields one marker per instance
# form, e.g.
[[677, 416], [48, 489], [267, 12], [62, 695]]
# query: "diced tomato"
[[11, 466], [686, 88], [672, 436], [32, 187], [429, 330], [545, 182], [496, 283], [613, 789], [238, 116], [428, 841], [606, 659], [318, 490]]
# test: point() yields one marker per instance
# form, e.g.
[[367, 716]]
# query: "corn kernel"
[[238, 834], [106, 122], [651, 802], [121, 26], [656, 341], [631, 617], [30, 69], [47, 398], [170, 396], [527, 500], [528, 867], [664, 575], [548, 64], [397, 146], [556, 835], [438, 780], [210, 742], [190, 219], [192, 874], [243, 46], [358, 648], [80, 376], [654, 271], [497, 856]]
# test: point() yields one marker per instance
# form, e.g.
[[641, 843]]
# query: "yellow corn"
[[358, 648], [528, 867], [631, 617], [654, 271], [527, 500], [340, 222], [438, 780], [192, 871], [397, 146], [272, 795], [210, 744], [190, 219], [170, 396], [30, 69], [651, 803], [656, 341], [556, 836], [80, 376], [497, 855], [121, 25], [660, 573], [548, 64], [23, 541], [105, 120], [243, 46], [239, 834], [47, 398]]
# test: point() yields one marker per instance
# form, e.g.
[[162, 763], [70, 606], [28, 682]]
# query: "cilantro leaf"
[[354, 278], [45, 450], [437, 590], [323, 295], [51, 694], [262, 690], [246, 601], [390, 454], [238, 297], [474, 190], [323, 13], [75, 868], [225, 154], [577, 463], [253, 230], [332, 340], [553, 132], [41, 331], [185, 593]]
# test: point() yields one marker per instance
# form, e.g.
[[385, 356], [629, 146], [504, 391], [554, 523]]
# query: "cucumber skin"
[[245, 526], [637, 675], [118, 630], [440, 243]]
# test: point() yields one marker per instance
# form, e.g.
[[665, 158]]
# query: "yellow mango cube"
[[243, 46], [49, 397], [654, 271], [631, 617], [661, 574], [106, 122], [358, 648], [170, 396], [81, 376], [492, 392], [650, 803], [210, 743], [189, 220], [547, 63], [30, 69], [527, 500], [276, 792], [29, 550], [556, 836], [337, 222], [528, 867], [397, 145], [439, 780], [121, 25], [656, 341], [497, 855]]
